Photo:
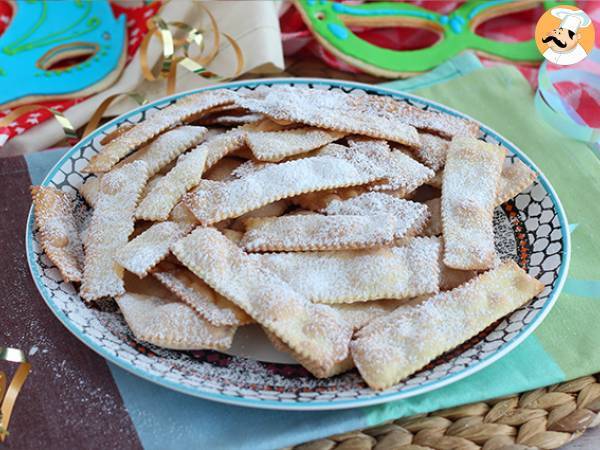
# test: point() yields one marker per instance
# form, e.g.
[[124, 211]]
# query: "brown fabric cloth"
[[70, 399]]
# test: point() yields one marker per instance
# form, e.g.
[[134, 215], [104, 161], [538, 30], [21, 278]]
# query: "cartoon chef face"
[[562, 40]]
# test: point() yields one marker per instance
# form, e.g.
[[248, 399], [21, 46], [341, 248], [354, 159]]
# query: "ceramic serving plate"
[[532, 229]]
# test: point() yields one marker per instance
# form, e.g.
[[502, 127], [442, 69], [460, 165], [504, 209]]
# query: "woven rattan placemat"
[[546, 418]]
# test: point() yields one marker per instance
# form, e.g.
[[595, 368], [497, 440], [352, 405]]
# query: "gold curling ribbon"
[[169, 62], [65, 123], [97, 117], [157, 26], [7, 401]]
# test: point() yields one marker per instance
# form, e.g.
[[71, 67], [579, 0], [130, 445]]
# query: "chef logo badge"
[[564, 35]]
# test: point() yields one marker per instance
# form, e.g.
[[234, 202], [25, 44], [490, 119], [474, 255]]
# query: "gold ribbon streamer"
[[169, 62], [8, 400], [157, 27], [65, 123], [97, 117]]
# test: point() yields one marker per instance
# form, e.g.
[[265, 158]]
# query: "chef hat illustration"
[[571, 19]]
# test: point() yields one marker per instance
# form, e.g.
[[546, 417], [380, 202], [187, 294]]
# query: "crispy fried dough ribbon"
[[8, 400]]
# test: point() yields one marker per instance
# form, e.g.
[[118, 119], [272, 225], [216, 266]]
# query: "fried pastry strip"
[[58, 234], [435, 122], [333, 111], [317, 232], [111, 136], [407, 341], [181, 214], [316, 332], [336, 369], [434, 226], [89, 190], [171, 324], [316, 201], [469, 191], [274, 146], [194, 292], [158, 154], [360, 314], [223, 144], [410, 217], [403, 174], [109, 228], [145, 251], [432, 151], [217, 147], [358, 276], [515, 178], [214, 201], [274, 209], [181, 111], [160, 200], [166, 147]]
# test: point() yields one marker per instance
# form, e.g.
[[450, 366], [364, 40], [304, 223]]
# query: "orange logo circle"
[[565, 35]]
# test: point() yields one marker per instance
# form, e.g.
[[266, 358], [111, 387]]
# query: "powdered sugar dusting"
[[333, 110], [149, 248], [410, 216], [361, 313], [166, 148], [110, 226], [417, 334], [276, 145], [318, 232], [362, 275], [186, 174], [171, 324], [469, 191], [314, 331], [214, 201], [169, 117], [432, 151], [402, 173], [55, 219], [199, 296]]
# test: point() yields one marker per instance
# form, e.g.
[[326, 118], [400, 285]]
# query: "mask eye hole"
[[68, 55], [405, 38], [522, 21]]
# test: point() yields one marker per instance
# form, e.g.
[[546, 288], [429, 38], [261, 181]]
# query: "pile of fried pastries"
[[356, 230]]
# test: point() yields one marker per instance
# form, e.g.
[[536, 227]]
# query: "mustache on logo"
[[558, 42]]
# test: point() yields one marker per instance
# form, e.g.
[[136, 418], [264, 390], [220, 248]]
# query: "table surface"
[[314, 68]]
